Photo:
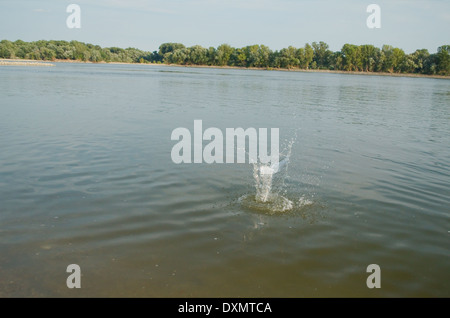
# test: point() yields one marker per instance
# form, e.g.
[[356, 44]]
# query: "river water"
[[87, 178]]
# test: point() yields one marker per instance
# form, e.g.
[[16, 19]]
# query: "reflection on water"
[[86, 178]]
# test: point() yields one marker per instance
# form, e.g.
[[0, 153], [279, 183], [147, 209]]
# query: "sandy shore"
[[14, 62], [46, 63]]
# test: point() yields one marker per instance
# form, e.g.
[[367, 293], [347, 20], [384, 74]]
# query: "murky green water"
[[86, 178]]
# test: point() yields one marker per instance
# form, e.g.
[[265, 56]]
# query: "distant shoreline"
[[306, 71], [25, 62]]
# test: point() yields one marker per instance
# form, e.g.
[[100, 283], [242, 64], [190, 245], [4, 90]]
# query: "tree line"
[[358, 58]]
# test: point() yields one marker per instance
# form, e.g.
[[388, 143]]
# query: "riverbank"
[[270, 69], [310, 71], [19, 62]]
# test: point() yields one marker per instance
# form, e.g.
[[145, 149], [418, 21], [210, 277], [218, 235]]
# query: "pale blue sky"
[[145, 24]]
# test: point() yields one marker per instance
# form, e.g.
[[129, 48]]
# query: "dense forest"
[[367, 58]]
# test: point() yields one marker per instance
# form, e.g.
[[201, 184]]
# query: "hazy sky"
[[145, 24]]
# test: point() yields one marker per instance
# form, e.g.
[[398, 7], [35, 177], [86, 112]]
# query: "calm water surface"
[[86, 178]]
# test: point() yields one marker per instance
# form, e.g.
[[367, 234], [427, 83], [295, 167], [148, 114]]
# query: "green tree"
[[154, 57], [305, 56], [274, 59], [351, 60], [179, 56], [398, 56], [132, 54], [197, 55], [321, 54], [288, 58], [22, 48], [86, 56], [47, 54], [223, 54], [211, 55], [368, 57], [443, 60], [238, 57], [95, 56], [7, 49], [80, 50], [430, 65], [166, 48], [336, 61], [408, 64], [309, 56], [251, 54], [419, 57], [387, 59], [264, 54]]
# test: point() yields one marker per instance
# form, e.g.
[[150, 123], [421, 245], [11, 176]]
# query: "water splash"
[[263, 175], [270, 187]]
